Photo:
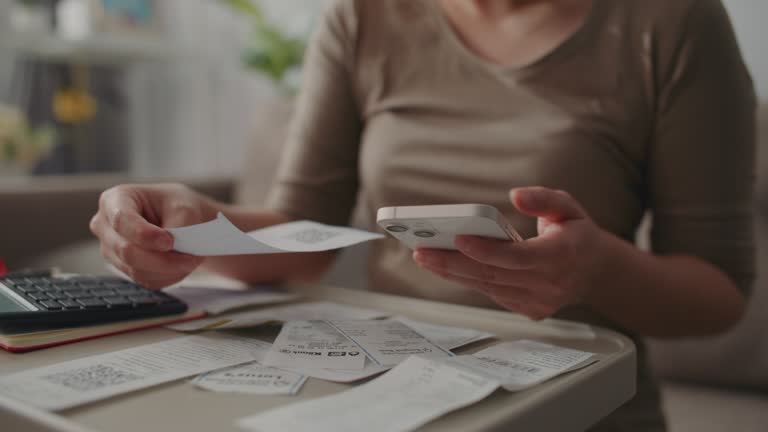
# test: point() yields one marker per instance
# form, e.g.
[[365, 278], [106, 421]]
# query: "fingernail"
[[164, 242], [425, 257]]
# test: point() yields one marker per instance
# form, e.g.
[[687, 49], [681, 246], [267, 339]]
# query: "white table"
[[572, 402]]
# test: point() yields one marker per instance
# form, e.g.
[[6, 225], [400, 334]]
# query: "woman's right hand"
[[130, 225]]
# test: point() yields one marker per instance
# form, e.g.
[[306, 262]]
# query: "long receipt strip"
[[314, 344], [293, 312], [343, 347], [420, 390], [444, 336], [77, 382], [220, 237], [389, 342], [410, 395], [395, 337], [522, 364]]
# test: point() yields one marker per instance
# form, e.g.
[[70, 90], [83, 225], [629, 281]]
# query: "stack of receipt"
[[420, 390]]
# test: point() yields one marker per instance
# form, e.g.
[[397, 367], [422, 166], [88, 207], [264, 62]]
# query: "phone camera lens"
[[424, 234], [397, 228]]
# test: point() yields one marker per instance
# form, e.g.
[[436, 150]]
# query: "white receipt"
[[220, 237], [292, 312], [77, 382], [388, 342], [412, 394], [218, 300], [345, 375], [252, 378], [315, 344], [445, 336], [522, 364]]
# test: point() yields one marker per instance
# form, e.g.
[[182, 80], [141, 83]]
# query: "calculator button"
[[91, 303], [70, 304], [27, 288], [78, 294], [51, 305], [13, 281], [103, 292], [39, 296], [143, 299], [129, 290], [58, 295], [118, 301], [39, 281]]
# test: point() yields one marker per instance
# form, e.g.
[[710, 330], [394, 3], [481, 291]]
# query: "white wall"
[[195, 112], [749, 19]]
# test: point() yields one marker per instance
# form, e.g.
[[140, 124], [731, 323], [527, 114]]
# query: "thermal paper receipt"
[[69, 384], [417, 391], [314, 344], [292, 312], [522, 364], [220, 237]]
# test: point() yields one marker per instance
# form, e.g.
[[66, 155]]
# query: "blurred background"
[[171, 87], [95, 93]]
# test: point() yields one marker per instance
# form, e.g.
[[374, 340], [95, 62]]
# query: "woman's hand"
[[130, 225], [536, 277]]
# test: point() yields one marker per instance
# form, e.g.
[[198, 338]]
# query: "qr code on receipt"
[[91, 378], [312, 235]]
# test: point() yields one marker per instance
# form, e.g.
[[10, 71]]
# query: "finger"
[[458, 264], [510, 297], [123, 215], [148, 261], [144, 278], [551, 205], [506, 254]]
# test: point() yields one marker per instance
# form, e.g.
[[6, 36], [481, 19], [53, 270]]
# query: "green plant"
[[272, 52], [20, 143]]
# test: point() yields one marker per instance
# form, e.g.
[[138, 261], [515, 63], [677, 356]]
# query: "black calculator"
[[29, 303]]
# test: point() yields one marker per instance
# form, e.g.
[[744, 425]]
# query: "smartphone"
[[436, 226]]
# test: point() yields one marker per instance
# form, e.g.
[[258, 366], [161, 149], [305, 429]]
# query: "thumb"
[[548, 204]]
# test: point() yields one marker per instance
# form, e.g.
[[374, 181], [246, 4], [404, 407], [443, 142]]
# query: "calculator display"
[[8, 304]]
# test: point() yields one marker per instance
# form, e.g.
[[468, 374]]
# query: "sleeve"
[[702, 158], [318, 174]]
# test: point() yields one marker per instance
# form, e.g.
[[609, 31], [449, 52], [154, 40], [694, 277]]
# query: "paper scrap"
[[314, 344], [414, 393], [522, 364], [252, 378], [216, 300], [447, 337], [220, 237], [292, 312], [388, 342], [77, 382]]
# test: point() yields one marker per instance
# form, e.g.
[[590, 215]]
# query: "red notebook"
[[23, 342]]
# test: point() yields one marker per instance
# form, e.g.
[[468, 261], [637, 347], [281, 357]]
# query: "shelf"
[[98, 49]]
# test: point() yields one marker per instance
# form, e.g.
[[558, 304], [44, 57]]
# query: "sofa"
[[712, 384]]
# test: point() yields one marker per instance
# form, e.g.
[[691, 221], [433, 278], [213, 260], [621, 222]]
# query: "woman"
[[628, 106]]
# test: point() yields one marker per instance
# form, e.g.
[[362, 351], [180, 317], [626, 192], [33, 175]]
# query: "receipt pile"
[[420, 390]]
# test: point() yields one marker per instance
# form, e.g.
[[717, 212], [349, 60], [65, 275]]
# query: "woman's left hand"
[[539, 276]]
